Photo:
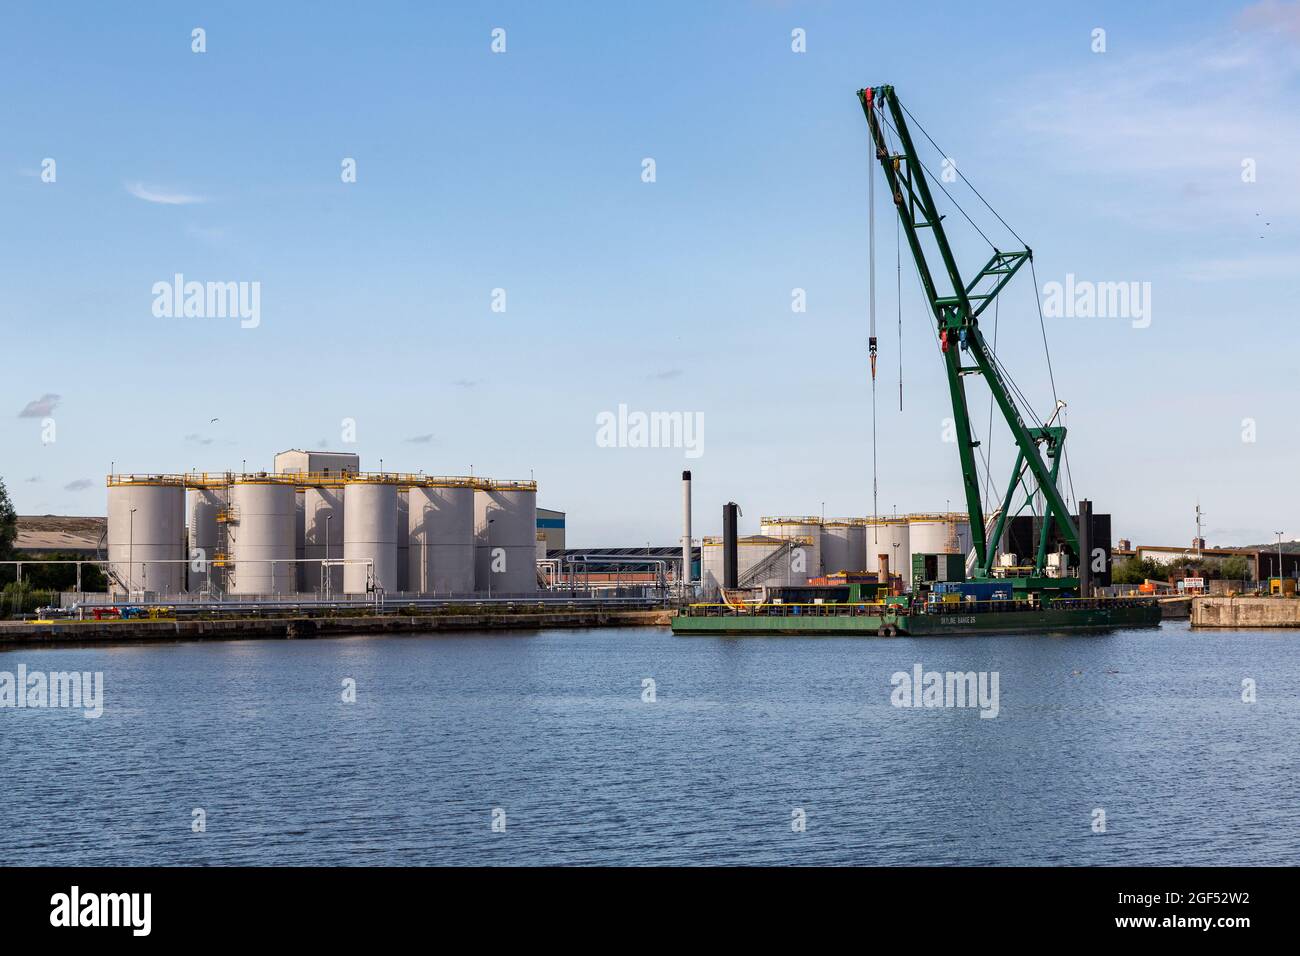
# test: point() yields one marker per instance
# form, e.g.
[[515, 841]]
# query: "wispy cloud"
[[1277, 16], [1179, 122], [81, 484], [667, 374], [34, 480], [465, 383], [1237, 268], [160, 194], [420, 439], [41, 407], [198, 439]]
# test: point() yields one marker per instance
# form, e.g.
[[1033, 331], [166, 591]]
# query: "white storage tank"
[[844, 545], [206, 502], [146, 533], [260, 530], [810, 528], [505, 532], [370, 533], [441, 535], [323, 537], [889, 538], [751, 551], [858, 545], [943, 533]]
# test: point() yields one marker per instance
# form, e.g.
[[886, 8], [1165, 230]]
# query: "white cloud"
[[161, 195]]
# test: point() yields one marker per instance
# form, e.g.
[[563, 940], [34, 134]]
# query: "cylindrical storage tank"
[[441, 535], [858, 545], [146, 534], [403, 539], [799, 528], [889, 537], [936, 533], [962, 521], [205, 504], [261, 529], [370, 535], [756, 549], [843, 545], [322, 538], [710, 566], [505, 532], [750, 552]]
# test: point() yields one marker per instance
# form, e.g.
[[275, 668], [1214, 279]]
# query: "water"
[[551, 727]]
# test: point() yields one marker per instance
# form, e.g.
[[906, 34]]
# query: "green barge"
[[902, 619]]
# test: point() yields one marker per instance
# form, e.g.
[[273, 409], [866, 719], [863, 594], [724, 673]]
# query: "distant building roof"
[[1206, 552]]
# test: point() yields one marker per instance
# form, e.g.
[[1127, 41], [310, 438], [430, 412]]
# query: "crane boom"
[[956, 311]]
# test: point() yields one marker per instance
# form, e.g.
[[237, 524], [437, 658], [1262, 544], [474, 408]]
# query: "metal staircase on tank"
[[760, 570], [101, 554], [221, 560]]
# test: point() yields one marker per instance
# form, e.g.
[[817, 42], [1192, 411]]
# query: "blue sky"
[[522, 171]]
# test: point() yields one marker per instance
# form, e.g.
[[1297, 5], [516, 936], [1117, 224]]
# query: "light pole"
[[328, 569], [1279, 559]]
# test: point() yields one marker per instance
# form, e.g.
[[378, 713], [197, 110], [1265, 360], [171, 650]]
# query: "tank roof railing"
[[758, 539], [807, 519], [218, 479]]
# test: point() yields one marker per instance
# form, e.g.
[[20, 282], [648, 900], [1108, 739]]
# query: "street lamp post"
[[327, 584], [1279, 559]]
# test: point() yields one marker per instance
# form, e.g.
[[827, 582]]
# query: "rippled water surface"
[[551, 728]]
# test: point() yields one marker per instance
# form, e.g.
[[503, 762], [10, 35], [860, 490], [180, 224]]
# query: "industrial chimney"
[[730, 576], [1085, 548], [686, 534]]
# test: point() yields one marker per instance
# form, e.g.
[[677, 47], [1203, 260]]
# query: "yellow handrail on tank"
[[222, 479], [807, 519]]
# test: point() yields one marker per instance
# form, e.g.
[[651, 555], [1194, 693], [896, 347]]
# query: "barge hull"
[[923, 625]]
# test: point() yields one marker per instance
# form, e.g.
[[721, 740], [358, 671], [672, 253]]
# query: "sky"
[[504, 273]]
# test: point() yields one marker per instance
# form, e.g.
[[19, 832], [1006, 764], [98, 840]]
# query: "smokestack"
[[729, 556], [686, 532], [1085, 548]]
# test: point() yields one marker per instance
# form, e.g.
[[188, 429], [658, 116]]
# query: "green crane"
[[957, 307]]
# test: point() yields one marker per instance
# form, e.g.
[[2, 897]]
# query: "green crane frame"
[[959, 313]]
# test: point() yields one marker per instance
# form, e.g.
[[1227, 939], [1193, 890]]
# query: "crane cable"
[[871, 341], [898, 269], [938, 181], [964, 179]]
